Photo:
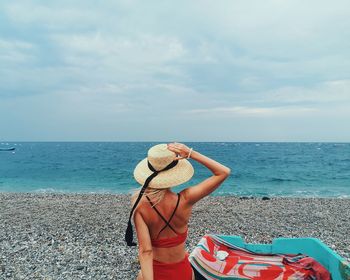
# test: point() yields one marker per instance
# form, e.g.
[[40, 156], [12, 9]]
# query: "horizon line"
[[167, 141]]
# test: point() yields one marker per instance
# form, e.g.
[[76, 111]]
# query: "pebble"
[[81, 236]]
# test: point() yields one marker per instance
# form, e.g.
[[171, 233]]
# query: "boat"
[[338, 267], [7, 149]]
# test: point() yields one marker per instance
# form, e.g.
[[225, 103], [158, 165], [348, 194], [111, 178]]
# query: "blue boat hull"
[[313, 247], [6, 149]]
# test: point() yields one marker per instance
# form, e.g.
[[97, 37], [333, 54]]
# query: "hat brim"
[[175, 176]]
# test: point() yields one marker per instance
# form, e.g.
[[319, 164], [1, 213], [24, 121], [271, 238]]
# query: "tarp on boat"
[[215, 258]]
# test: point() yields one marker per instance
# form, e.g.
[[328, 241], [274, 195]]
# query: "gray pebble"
[[81, 236]]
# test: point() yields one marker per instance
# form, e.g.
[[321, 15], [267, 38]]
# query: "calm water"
[[258, 169]]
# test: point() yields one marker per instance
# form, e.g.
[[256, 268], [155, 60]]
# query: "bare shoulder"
[[141, 209], [184, 194], [185, 198]]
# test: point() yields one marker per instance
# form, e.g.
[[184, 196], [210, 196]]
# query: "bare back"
[[155, 224]]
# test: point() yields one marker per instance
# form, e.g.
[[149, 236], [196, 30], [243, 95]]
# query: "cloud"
[[50, 16], [332, 97], [277, 111], [136, 51], [325, 93], [246, 60], [15, 51]]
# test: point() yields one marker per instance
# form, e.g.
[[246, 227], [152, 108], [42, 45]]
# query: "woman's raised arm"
[[220, 173]]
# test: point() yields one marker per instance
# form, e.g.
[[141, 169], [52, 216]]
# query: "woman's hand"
[[180, 149]]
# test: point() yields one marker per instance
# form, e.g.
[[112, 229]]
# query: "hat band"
[[129, 231]]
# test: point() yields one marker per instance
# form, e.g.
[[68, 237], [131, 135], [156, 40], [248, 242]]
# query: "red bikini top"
[[168, 241]]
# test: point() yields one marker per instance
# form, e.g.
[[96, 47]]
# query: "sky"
[[250, 70]]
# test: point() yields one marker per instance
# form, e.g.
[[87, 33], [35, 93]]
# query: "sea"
[[258, 169]]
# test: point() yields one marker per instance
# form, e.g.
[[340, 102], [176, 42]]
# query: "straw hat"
[[159, 156]]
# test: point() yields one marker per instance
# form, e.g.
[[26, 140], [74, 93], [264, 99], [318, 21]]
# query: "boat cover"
[[214, 258]]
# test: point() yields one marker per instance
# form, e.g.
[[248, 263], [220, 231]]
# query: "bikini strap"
[[167, 223], [172, 215]]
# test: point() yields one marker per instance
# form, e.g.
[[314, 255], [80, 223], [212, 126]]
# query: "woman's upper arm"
[[143, 235], [206, 187]]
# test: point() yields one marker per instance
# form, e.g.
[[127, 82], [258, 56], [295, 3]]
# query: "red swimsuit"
[[169, 271]]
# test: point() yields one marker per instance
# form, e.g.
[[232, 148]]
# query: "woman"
[[161, 216]]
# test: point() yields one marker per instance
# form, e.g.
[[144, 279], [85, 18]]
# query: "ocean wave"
[[50, 190], [292, 194], [77, 190]]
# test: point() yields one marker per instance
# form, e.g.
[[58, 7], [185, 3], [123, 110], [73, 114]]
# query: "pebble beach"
[[81, 236]]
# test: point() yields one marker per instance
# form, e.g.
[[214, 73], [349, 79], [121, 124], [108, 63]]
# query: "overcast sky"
[[273, 70]]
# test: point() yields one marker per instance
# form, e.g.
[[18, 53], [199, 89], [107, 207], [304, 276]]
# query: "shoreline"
[[81, 236], [109, 193]]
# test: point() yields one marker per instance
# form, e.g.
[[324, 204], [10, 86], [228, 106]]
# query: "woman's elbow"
[[226, 172], [145, 251]]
